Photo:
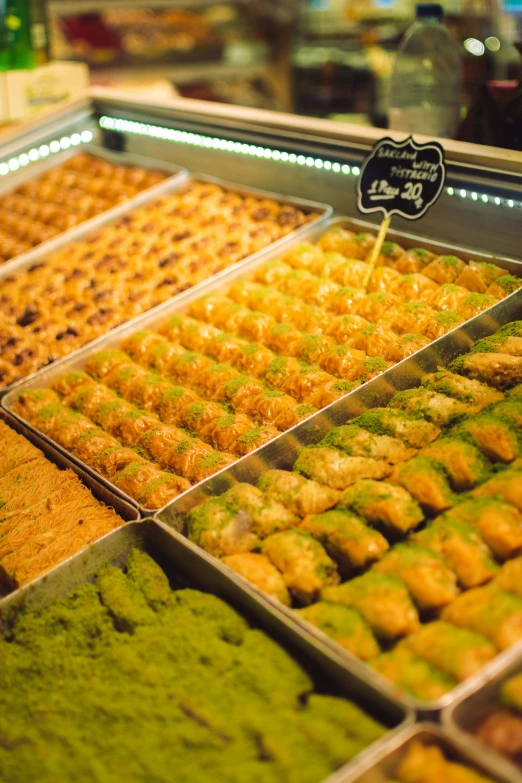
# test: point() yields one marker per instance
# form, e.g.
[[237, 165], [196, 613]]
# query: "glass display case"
[[481, 206], [213, 370]]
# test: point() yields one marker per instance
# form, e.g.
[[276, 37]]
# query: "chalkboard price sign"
[[401, 178]]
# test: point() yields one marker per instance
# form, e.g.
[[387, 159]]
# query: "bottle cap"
[[429, 11]]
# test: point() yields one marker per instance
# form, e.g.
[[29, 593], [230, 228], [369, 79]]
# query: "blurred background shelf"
[[328, 59]]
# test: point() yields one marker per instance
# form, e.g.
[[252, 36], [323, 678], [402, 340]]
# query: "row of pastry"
[[338, 331], [64, 196], [399, 533], [153, 253], [414, 304], [138, 427]]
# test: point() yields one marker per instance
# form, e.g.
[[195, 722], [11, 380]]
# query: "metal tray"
[[182, 178], [383, 765], [169, 186], [182, 565], [119, 158], [460, 718], [283, 451], [319, 423]]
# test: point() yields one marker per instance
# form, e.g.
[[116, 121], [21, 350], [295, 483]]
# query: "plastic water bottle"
[[426, 80]]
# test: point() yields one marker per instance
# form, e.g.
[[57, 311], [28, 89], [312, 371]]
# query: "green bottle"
[[4, 54], [39, 31], [18, 35]]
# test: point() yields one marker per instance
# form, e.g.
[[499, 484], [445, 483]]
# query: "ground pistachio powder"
[[127, 679]]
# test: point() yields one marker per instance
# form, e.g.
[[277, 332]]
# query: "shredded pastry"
[[46, 514]]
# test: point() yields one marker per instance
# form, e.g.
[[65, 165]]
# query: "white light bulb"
[[474, 46]]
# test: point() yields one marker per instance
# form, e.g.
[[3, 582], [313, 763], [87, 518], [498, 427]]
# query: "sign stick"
[[399, 178], [381, 236]]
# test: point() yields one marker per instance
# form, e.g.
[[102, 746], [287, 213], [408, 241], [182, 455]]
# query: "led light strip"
[[474, 196], [197, 140], [37, 153]]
